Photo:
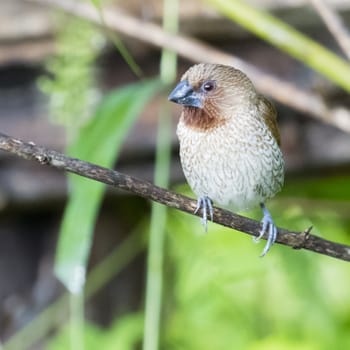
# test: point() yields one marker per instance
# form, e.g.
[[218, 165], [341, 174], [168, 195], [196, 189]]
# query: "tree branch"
[[296, 240], [334, 23]]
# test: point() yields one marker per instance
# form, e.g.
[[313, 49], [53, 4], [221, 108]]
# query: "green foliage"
[[334, 188], [226, 297], [221, 295], [98, 142], [70, 86]]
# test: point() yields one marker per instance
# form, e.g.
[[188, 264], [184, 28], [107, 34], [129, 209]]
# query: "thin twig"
[[334, 23], [194, 50], [296, 240]]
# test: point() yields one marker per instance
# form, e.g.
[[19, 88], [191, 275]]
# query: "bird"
[[229, 143]]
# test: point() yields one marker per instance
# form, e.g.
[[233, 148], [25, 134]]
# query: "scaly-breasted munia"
[[229, 142]]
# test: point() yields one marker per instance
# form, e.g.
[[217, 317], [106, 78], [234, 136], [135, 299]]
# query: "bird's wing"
[[269, 114]]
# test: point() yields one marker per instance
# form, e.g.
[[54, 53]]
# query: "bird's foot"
[[206, 204], [269, 227]]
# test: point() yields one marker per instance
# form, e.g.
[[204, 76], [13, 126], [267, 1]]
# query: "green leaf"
[[98, 142]]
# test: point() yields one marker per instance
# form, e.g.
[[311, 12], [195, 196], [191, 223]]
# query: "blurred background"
[[154, 280]]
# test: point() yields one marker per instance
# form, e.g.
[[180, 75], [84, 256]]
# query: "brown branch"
[[334, 23], [296, 240], [195, 50]]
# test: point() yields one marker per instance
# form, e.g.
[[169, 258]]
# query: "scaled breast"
[[236, 165]]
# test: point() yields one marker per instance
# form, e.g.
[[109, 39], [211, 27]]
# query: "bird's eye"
[[208, 86]]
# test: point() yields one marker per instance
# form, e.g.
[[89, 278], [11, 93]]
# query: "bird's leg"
[[205, 203], [269, 227]]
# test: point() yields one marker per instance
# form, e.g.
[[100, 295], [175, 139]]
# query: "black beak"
[[183, 94]]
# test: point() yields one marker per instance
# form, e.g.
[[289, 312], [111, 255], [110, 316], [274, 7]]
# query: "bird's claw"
[[269, 227], [205, 203]]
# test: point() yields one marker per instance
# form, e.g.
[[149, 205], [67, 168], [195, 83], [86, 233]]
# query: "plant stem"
[[76, 306], [159, 213]]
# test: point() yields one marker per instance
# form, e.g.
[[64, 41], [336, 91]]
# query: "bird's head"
[[212, 94]]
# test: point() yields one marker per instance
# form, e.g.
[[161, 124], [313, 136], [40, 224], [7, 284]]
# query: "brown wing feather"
[[268, 111]]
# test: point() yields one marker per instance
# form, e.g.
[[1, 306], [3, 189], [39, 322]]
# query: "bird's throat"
[[199, 119]]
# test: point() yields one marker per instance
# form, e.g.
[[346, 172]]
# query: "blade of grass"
[[287, 39], [98, 142], [117, 41], [159, 213]]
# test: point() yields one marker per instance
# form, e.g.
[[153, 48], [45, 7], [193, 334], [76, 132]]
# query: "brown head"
[[211, 94]]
